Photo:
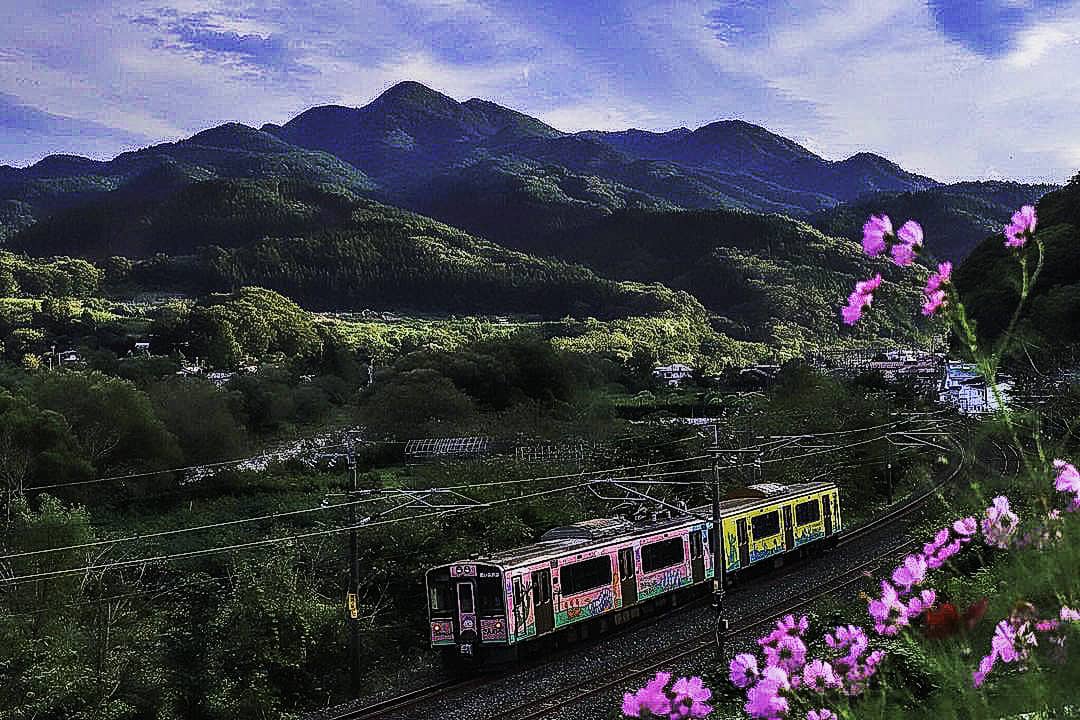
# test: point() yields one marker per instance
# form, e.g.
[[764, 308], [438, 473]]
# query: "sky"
[[954, 89]]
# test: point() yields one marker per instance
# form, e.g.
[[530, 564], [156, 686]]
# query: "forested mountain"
[[989, 280], [230, 151], [771, 278], [327, 248], [509, 177], [955, 217]]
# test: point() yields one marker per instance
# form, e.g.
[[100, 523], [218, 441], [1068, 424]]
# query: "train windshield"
[[489, 595], [441, 597]]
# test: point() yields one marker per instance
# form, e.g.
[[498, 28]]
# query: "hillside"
[[59, 182], [956, 217], [324, 247], [987, 281], [770, 278]]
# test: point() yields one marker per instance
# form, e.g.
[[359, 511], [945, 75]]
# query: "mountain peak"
[[237, 136], [412, 94]]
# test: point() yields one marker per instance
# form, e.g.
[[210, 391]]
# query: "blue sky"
[[953, 89]]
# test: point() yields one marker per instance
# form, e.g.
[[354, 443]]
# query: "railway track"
[[626, 673]]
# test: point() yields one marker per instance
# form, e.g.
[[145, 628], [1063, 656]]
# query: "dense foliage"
[[1050, 326]]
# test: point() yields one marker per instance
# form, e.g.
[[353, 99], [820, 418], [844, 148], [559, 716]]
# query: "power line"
[[178, 531], [151, 473], [14, 580]]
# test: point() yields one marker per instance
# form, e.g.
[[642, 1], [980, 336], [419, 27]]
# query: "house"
[[220, 378], [69, 358], [673, 375], [963, 388]]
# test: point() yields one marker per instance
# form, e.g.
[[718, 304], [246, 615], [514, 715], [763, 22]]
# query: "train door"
[[542, 605], [467, 627], [826, 509], [697, 556], [627, 576], [744, 542], [789, 529]]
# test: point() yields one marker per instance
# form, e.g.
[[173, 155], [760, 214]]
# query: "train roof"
[[602, 531]]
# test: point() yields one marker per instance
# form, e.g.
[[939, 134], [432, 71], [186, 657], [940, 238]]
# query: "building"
[[673, 375], [963, 388]]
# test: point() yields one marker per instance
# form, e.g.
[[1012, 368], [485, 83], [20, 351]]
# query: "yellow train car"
[[765, 520]]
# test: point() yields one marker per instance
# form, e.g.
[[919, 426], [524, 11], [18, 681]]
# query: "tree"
[[416, 404], [36, 447], [112, 420]]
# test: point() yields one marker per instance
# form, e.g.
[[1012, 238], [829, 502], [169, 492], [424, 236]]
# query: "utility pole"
[[352, 598], [718, 560]]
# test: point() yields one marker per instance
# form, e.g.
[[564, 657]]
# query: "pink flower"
[[888, 612], [865, 287], [874, 232], [860, 298], [1000, 523], [743, 670], [822, 714], [939, 278], [764, 700], [966, 527], [1069, 615], [921, 602], [985, 666], [690, 697], [910, 236], [1068, 481], [911, 572], [847, 637], [819, 676], [1021, 228], [934, 302], [788, 653], [1045, 626], [939, 541], [903, 255], [652, 698], [910, 233]]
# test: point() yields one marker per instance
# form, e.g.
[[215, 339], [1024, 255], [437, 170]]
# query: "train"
[[586, 578]]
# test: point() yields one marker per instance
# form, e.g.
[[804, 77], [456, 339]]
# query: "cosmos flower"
[[860, 298], [743, 670], [911, 572], [1021, 228], [874, 231], [819, 676], [1000, 523]]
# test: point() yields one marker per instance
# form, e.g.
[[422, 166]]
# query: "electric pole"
[[718, 559], [352, 598]]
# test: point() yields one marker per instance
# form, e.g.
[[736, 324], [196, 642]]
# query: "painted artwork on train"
[[663, 581], [519, 597], [585, 605]]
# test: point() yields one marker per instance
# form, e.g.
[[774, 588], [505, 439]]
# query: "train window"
[[807, 512], [695, 544], [665, 553], [586, 575], [626, 562], [441, 598], [489, 595], [465, 598], [765, 525]]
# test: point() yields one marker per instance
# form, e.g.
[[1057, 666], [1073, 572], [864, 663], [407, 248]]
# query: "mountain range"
[[418, 201], [509, 177]]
